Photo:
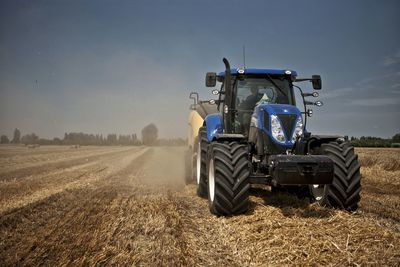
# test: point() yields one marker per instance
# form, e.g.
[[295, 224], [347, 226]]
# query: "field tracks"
[[16, 193], [129, 206]]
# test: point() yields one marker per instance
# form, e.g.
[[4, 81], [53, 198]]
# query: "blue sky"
[[115, 66]]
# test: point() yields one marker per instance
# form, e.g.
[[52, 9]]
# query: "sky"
[[115, 66]]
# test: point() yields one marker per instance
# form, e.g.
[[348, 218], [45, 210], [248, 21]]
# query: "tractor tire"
[[344, 192], [188, 166], [228, 169], [201, 159]]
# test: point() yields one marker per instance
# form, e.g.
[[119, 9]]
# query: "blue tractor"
[[259, 136]]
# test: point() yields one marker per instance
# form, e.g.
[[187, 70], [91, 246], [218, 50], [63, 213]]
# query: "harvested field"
[[129, 206]]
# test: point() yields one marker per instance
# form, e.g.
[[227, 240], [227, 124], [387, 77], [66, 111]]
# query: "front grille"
[[288, 122]]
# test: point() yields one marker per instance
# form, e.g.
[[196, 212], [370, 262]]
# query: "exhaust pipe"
[[229, 99]]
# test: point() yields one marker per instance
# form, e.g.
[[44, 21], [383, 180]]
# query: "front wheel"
[[228, 178], [344, 192]]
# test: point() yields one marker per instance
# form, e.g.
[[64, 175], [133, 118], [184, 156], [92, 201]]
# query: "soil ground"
[[129, 206]]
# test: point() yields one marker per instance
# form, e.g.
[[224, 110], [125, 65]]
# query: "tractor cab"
[[255, 87], [252, 90]]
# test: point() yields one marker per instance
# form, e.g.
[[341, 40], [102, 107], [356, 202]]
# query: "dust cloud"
[[164, 172]]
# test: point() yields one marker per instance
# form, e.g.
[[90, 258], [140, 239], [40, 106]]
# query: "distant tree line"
[[99, 139], [371, 141], [149, 138]]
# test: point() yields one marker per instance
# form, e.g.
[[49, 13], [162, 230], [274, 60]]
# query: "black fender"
[[316, 140], [230, 137]]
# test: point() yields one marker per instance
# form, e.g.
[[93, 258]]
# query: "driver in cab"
[[247, 107], [250, 102]]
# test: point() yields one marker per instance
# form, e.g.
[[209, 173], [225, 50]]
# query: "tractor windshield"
[[259, 90], [250, 91]]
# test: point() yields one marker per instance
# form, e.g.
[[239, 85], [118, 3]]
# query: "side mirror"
[[316, 82], [211, 79]]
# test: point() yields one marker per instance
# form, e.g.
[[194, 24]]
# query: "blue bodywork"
[[276, 109], [214, 123], [234, 72], [214, 126]]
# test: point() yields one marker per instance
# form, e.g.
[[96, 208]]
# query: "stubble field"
[[129, 206]]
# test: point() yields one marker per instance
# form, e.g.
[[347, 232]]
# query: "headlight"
[[298, 130], [276, 129]]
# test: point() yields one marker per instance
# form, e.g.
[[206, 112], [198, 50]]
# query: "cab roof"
[[236, 71]]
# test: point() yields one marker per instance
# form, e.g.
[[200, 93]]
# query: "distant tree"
[[17, 136], [149, 134], [30, 139], [57, 141], [112, 139], [396, 138], [4, 139], [135, 141]]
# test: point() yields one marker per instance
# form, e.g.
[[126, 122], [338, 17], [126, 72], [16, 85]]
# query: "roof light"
[[288, 72], [240, 71]]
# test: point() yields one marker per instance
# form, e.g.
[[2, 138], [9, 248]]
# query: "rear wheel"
[[188, 166], [201, 159], [228, 178], [344, 192]]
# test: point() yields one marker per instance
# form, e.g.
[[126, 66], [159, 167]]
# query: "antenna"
[[244, 57]]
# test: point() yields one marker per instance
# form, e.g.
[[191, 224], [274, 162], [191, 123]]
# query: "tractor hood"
[[279, 121], [279, 109]]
